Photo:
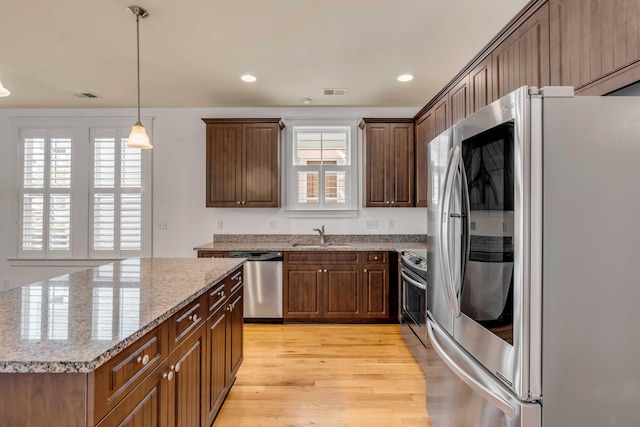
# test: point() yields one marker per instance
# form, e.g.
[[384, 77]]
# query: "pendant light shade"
[[138, 137], [4, 91]]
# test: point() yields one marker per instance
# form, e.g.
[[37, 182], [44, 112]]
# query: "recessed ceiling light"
[[248, 78], [307, 100], [405, 78]]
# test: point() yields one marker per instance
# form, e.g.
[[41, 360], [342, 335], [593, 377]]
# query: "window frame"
[[81, 206], [293, 207]]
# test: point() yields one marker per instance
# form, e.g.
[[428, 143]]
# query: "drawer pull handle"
[[143, 359], [177, 367]]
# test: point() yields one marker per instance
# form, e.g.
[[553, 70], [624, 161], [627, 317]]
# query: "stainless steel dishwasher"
[[262, 285]]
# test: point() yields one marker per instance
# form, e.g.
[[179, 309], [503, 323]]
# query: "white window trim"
[[292, 209], [80, 243]]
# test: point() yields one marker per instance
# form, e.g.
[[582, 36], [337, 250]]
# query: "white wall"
[[179, 185]]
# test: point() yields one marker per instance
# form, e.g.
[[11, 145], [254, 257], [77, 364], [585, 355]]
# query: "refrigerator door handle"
[[445, 262], [466, 225], [468, 379], [413, 282]]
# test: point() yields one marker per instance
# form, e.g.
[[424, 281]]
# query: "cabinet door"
[[595, 45], [342, 292], [185, 394], [235, 335], [261, 165], [375, 291], [441, 115], [480, 86], [523, 57], [145, 405], [302, 292], [401, 176], [216, 366], [425, 132], [377, 165], [459, 101], [224, 151]]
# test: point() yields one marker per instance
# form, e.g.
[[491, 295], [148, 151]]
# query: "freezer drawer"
[[461, 393]]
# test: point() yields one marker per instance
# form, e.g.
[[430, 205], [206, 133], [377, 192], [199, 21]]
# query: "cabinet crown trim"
[[217, 121]]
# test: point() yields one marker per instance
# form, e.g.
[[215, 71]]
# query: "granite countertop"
[[76, 322], [285, 242]]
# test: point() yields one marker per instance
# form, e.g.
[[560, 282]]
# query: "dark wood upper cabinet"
[[425, 132], [523, 57], [389, 162], [459, 100], [480, 86], [243, 162], [595, 44], [442, 119]]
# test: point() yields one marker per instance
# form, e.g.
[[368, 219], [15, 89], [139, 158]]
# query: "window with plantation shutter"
[[321, 169], [116, 195], [82, 193], [46, 193]]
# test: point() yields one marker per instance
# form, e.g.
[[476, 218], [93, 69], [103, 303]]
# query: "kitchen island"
[[153, 340]]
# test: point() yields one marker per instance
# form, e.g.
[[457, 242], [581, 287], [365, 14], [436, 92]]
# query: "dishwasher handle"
[[257, 255]]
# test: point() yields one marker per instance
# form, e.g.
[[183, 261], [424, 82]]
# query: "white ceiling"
[[193, 52]]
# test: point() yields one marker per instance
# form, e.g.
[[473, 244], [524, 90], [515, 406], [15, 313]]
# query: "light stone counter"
[[285, 242], [76, 322]]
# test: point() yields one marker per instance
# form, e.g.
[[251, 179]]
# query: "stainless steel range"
[[413, 272]]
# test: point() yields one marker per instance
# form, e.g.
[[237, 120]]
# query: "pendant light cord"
[[138, 55]]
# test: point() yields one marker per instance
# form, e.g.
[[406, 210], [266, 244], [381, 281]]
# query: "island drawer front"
[[234, 281], [120, 374], [216, 296], [377, 257], [187, 320], [315, 257]]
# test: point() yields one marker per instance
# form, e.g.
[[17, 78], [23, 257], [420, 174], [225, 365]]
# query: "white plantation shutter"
[[45, 193], [116, 218], [81, 193]]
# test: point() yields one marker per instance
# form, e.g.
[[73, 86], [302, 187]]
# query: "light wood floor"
[[325, 376]]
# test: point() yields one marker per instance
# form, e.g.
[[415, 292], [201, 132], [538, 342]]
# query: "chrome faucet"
[[321, 231]]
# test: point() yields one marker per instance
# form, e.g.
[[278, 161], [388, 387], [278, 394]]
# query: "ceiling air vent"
[[86, 95], [335, 91]]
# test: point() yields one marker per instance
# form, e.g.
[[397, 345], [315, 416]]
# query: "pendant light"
[[4, 91], [138, 137]]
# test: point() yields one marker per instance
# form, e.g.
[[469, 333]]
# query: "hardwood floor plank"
[[325, 375]]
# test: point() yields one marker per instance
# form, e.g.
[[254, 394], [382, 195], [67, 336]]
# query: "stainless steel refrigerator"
[[533, 292]]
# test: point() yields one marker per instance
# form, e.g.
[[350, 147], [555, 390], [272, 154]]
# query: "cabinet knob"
[[238, 202], [143, 359], [177, 367], [365, 270], [393, 201], [375, 257], [193, 317], [387, 202], [243, 202], [320, 271], [168, 375], [221, 294], [325, 270]]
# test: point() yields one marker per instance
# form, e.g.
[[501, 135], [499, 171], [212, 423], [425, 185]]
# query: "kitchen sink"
[[325, 245]]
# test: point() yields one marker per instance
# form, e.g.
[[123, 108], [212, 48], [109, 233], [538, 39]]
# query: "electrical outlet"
[[272, 224], [392, 224], [372, 224], [162, 225], [220, 224]]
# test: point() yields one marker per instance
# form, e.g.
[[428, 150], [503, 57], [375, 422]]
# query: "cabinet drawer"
[[234, 281], [185, 321], [216, 296], [377, 258], [120, 374], [333, 257]]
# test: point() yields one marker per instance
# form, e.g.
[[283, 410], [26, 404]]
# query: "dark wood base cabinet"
[[176, 375], [337, 286]]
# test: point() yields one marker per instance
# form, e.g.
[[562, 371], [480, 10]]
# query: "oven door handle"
[[413, 282], [476, 384], [445, 262]]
